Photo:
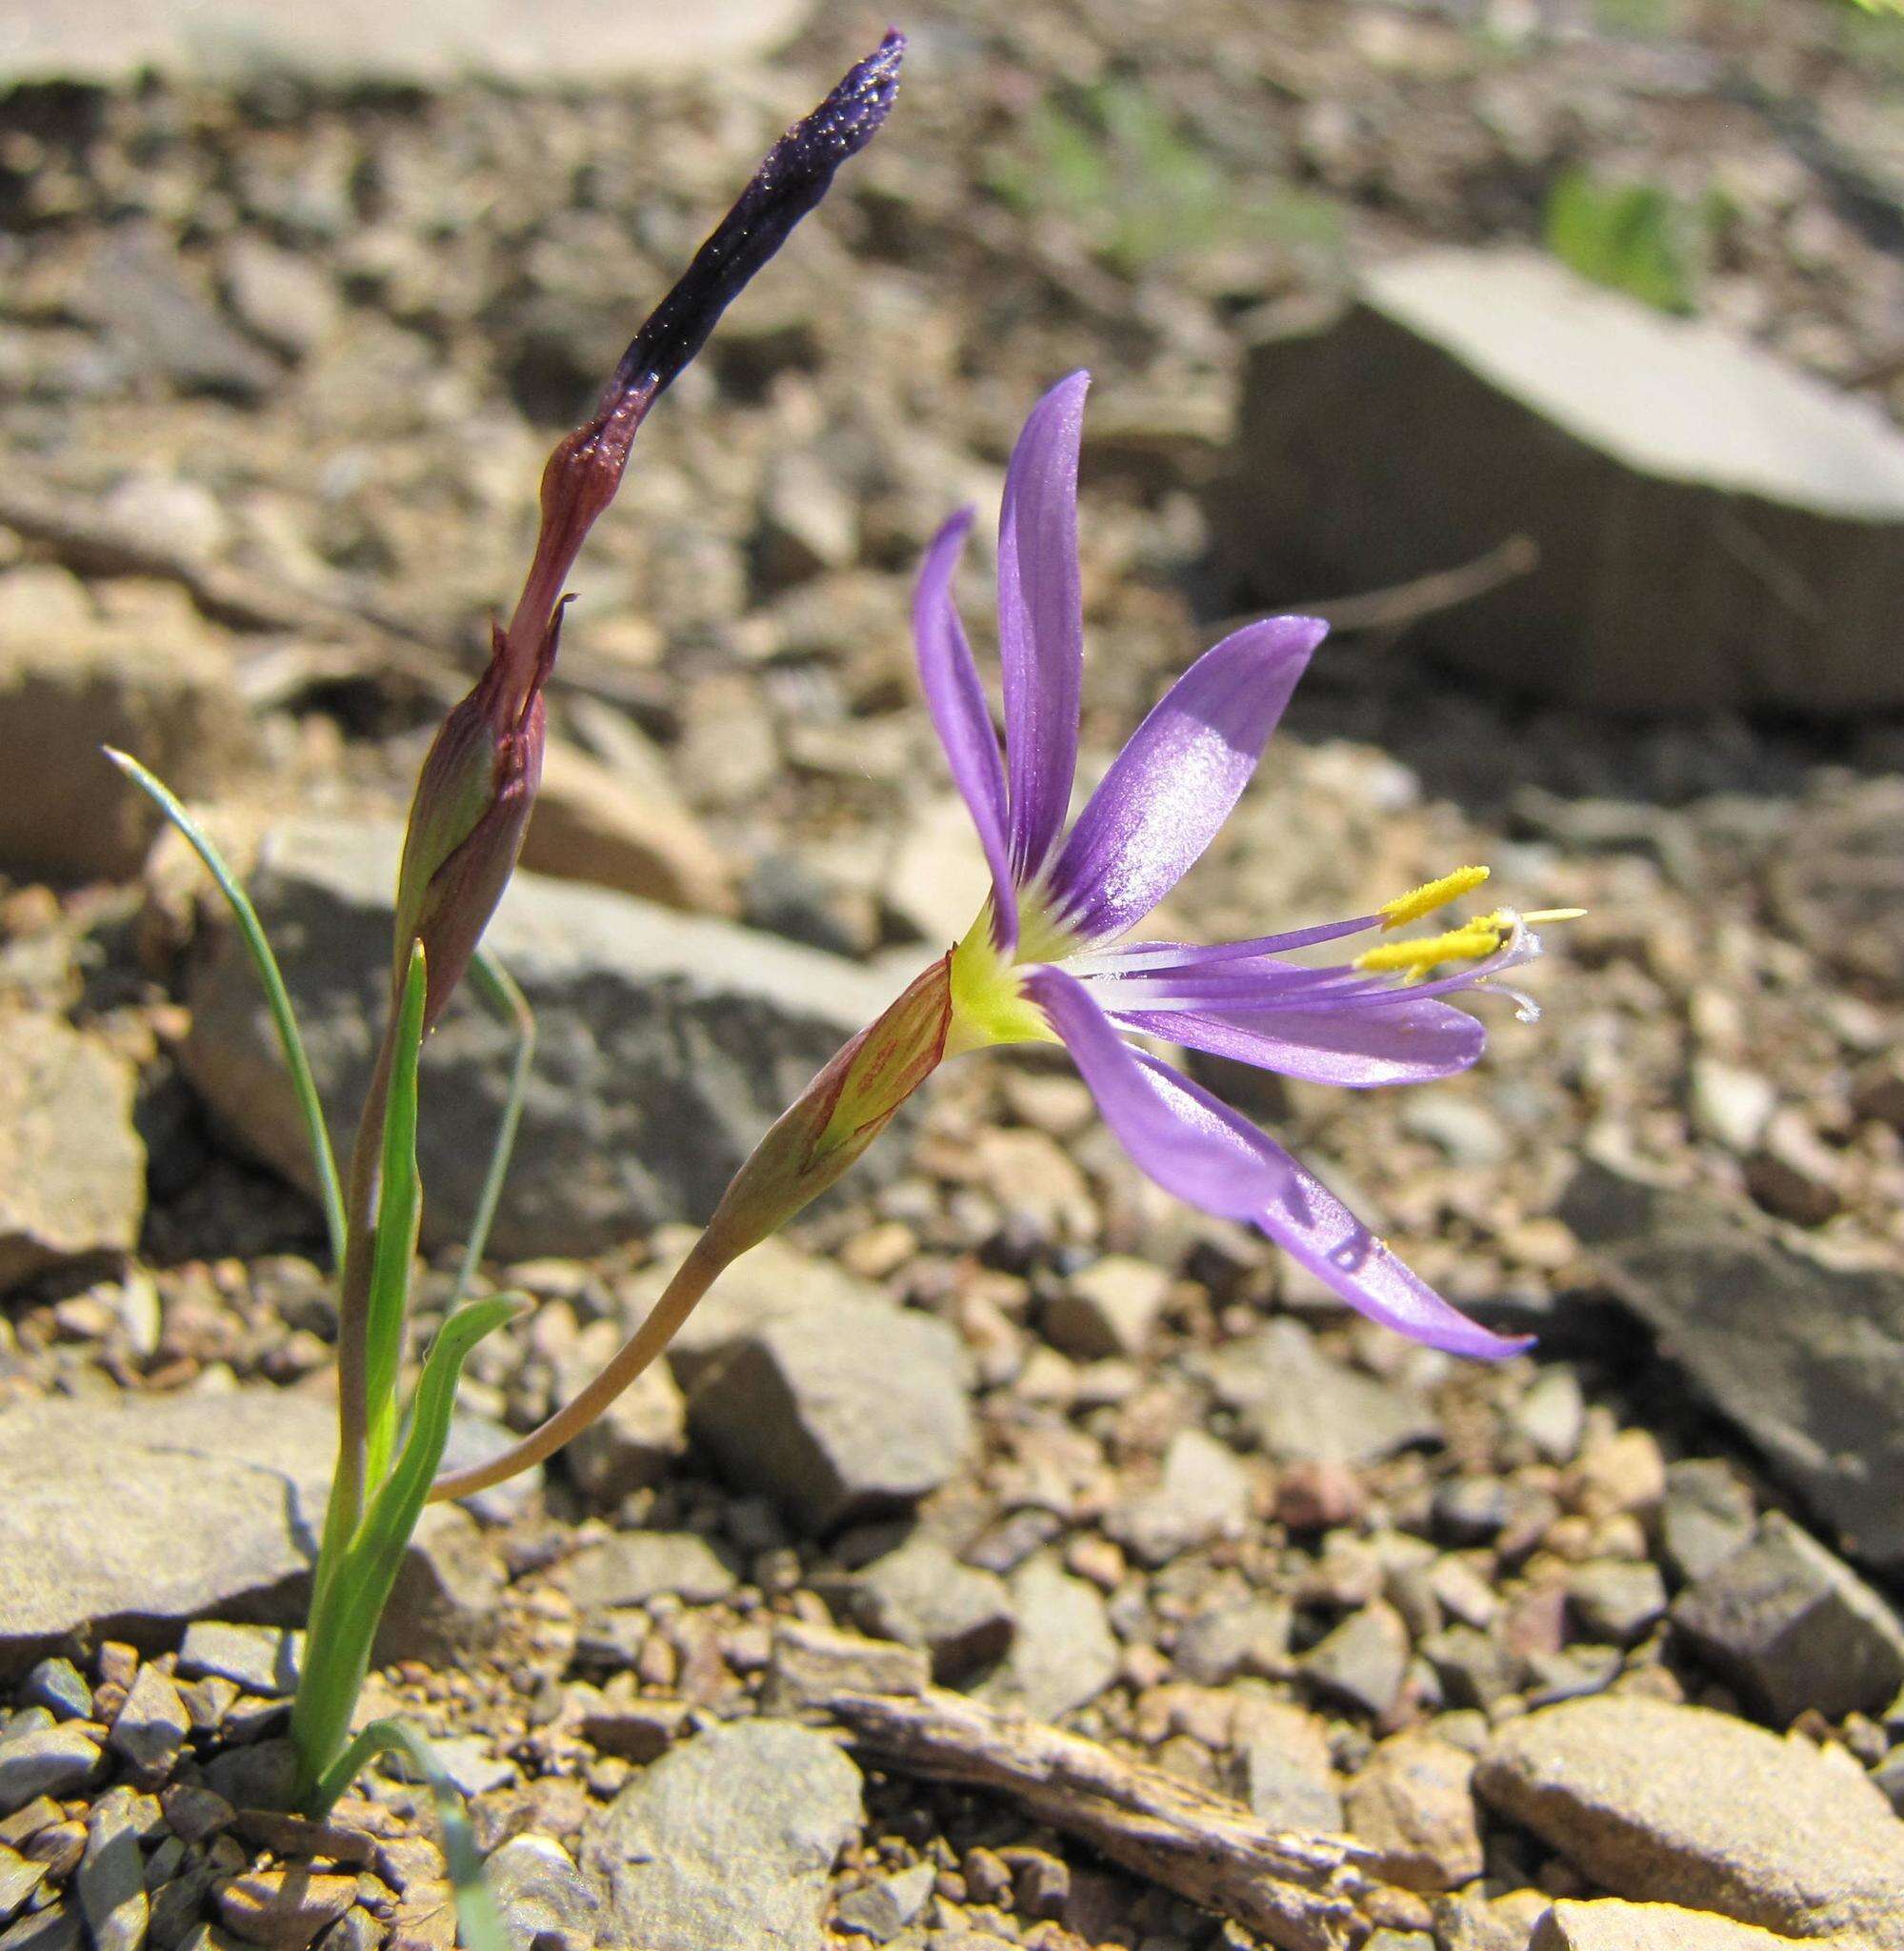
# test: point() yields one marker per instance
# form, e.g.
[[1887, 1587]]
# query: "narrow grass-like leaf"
[[276, 996], [479, 1927], [337, 1648], [400, 1213], [497, 991]]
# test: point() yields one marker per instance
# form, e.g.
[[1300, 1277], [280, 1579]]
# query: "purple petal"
[[1312, 1225], [956, 701], [1172, 786], [1041, 621], [1203, 1152], [1410, 1043], [1198, 1169]]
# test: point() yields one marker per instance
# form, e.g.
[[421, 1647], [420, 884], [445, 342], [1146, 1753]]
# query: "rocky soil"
[[1009, 1557]]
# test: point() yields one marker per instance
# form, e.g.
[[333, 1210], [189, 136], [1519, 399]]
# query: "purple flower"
[[1047, 959]]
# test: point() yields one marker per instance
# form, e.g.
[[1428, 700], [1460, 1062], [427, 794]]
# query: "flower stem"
[[706, 1259]]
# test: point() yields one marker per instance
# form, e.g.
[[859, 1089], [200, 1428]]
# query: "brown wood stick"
[[1303, 1893]]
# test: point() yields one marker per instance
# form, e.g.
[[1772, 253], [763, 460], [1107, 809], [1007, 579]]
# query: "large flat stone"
[[1671, 1804], [728, 1840], [1714, 528], [417, 41], [667, 1044], [1612, 1926], [130, 1518], [1805, 1360]]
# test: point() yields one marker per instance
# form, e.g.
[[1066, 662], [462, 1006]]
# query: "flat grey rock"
[[728, 1839], [1203, 1495], [1716, 528], [812, 1667], [1611, 1925], [415, 41], [110, 1877], [73, 1168], [1818, 1384], [1364, 1661], [667, 1043], [840, 1416], [163, 1509], [635, 1566], [1288, 1788], [1705, 1516], [921, 1596], [262, 1660], [880, 1910], [1664, 1804], [1795, 1627], [151, 1725], [47, 1760], [1303, 1405], [1414, 1802], [71, 681], [538, 1887], [1064, 1654]]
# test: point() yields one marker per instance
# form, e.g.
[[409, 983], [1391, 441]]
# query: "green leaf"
[[276, 996], [1631, 237], [399, 1215], [357, 1587], [479, 1927], [497, 991]]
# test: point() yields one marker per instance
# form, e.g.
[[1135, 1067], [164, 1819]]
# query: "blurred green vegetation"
[[1652, 20], [1113, 164], [1635, 238]]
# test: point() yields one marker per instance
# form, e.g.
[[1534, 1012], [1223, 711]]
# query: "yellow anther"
[[1468, 944], [1431, 896]]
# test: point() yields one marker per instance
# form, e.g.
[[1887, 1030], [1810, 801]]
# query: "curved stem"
[[692, 1279]]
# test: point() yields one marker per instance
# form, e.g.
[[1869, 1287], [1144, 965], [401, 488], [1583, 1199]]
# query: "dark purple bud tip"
[[796, 174], [585, 471]]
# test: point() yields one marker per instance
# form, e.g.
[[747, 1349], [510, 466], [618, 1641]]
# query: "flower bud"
[[839, 1114], [474, 798], [479, 784]]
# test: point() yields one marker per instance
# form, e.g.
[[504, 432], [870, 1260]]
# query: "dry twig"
[[1303, 1893], [1399, 608], [92, 544]]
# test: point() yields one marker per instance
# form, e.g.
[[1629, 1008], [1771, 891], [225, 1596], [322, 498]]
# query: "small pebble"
[[61, 1688]]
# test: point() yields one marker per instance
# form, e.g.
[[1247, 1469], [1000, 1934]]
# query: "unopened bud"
[[839, 1114], [479, 784], [474, 798]]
